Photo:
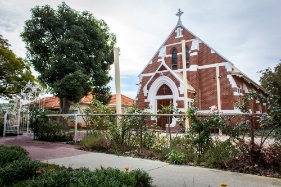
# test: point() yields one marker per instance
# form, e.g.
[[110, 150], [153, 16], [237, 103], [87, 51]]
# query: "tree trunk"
[[64, 105], [64, 109]]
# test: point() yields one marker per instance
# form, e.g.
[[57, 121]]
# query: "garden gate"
[[16, 111]]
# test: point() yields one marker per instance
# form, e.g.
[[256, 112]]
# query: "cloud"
[[9, 17], [246, 32]]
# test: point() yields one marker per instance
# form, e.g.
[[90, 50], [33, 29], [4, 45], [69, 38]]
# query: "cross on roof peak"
[[179, 15]]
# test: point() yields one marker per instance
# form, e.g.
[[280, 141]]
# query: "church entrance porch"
[[163, 120], [162, 93]]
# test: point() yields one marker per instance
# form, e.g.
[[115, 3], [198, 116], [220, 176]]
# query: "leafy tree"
[[271, 81], [14, 71], [202, 129], [270, 123], [71, 50]]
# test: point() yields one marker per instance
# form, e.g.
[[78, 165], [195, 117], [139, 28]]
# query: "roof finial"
[[179, 15]]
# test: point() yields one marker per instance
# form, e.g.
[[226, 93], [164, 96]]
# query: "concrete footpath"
[[164, 174]]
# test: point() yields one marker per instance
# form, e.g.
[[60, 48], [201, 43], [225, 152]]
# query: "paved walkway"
[[163, 174], [39, 150]]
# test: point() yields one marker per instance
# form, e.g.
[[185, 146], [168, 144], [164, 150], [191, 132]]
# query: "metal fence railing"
[[80, 124]]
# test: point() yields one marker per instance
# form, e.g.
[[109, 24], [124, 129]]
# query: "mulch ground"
[[39, 150]]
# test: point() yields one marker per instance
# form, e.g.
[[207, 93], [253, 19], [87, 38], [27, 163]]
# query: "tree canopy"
[[271, 81], [14, 71], [71, 50]]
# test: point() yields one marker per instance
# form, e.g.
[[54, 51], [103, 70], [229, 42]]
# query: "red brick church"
[[211, 79]]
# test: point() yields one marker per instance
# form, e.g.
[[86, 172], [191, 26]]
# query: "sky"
[[245, 32]]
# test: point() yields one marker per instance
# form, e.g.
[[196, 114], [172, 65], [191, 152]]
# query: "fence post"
[[27, 123], [220, 131], [5, 124], [75, 131], [18, 127], [141, 123], [252, 130]]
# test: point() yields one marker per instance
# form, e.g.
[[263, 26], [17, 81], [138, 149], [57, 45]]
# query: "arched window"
[[186, 56], [174, 59]]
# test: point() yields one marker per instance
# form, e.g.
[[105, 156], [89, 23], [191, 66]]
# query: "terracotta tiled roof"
[[53, 102], [87, 99], [125, 100]]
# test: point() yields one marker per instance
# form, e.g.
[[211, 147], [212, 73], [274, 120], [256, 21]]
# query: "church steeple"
[[179, 15]]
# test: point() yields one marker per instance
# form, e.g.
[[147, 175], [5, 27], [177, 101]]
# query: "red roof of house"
[[49, 102], [87, 99], [125, 100], [53, 102]]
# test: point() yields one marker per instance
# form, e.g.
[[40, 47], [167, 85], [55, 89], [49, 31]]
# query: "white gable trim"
[[145, 90], [227, 65], [177, 43]]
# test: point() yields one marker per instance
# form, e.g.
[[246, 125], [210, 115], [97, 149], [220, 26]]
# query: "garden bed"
[[16, 169], [185, 150]]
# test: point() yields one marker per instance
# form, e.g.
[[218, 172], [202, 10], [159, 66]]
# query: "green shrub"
[[176, 157], [10, 154], [160, 144], [52, 131], [97, 122], [47, 130], [141, 178], [114, 177], [83, 177], [220, 155], [184, 143], [96, 141], [18, 170], [202, 128], [272, 157], [61, 178]]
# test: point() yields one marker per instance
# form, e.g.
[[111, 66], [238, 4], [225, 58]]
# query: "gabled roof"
[[237, 71], [195, 36]]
